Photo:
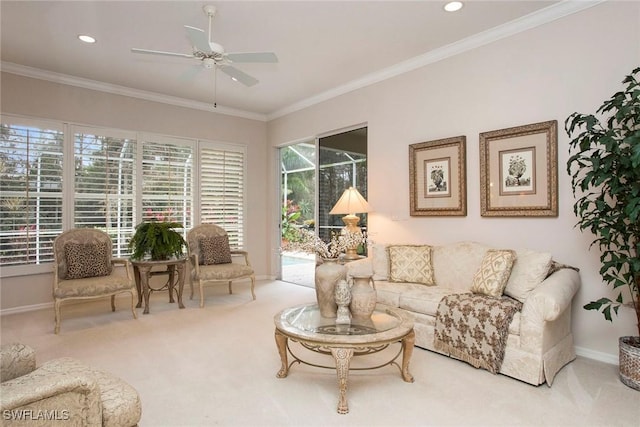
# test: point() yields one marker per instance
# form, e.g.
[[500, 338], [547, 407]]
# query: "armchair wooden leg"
[[133, 306], [253, 286], [230, 291], [113, 303], [191, 286], [201, 295], [56, 305]]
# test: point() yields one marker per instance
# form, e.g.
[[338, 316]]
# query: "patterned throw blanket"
[[474, 328]]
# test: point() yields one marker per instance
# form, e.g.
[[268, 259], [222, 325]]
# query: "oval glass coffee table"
[[305, 325]]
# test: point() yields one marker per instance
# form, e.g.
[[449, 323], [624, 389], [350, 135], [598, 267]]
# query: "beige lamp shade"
[[350, 203]]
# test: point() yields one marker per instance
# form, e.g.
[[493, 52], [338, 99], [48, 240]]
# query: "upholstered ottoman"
[[63, 392]]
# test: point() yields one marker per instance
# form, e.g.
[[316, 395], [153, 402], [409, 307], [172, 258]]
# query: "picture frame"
[[519, 171], [437, 177]]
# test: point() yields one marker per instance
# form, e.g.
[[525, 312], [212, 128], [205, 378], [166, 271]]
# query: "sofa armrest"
[[16, 360], [553, 296], [360, 267], [72, 398]]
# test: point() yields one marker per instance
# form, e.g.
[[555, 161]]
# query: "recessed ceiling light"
[[453, 6], [87, 39]]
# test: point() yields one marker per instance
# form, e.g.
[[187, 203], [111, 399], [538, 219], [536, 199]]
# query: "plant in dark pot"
[[605, 176], [158, 240]]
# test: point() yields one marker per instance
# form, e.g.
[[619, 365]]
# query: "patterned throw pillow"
[[410, 263], [87, 260], [215, 250], [493, 274]]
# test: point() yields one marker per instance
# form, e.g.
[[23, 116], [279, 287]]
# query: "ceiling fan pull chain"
[[215, 86]]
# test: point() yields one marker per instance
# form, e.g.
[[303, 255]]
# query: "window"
[[167, 181], [54, 176], [31, 167], [105, 183], [222, 191]]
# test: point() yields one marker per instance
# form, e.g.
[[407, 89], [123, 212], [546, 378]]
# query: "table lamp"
[[350, 203]]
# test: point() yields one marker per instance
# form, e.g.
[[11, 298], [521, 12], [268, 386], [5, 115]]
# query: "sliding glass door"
[[313, 176]]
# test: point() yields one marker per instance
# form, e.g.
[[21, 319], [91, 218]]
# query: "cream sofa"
[[62, 392], [540, 341]]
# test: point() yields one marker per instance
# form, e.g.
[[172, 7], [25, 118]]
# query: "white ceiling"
[[324, 47]]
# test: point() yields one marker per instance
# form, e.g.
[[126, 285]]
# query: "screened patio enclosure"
[[312, 179]]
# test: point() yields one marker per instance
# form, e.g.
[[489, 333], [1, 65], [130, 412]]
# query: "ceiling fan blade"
[[238, 75], [198, 39], [159, 52], [264, 57]]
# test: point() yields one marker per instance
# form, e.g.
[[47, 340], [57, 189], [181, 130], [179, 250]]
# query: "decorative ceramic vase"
[[328, 274], [343, 298], [363, 297]]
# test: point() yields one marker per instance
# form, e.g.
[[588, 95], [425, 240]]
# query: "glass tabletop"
[[306, 321]]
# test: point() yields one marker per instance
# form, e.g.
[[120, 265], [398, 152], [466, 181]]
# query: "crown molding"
[[535, 19], [66, 79]]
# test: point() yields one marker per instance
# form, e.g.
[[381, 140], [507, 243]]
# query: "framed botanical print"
[[437, 177], [519, 171]]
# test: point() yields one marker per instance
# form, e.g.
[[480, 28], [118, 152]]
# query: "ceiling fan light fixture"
[[86, 38], [453, 6]]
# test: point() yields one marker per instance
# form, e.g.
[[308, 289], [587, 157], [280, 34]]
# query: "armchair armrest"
[[16, 360], [552, 297], [127, 266], [238, 252]]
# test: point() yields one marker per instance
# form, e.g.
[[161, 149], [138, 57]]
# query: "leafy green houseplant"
[[605, 176], [157, 239]]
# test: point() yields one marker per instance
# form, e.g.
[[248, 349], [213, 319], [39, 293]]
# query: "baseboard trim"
[[26, 308], [598, 355]]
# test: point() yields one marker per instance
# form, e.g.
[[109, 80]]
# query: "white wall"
[[546, 73], [47, 100]]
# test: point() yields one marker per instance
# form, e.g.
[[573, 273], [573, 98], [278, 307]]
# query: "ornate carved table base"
[[142, 272], [342, 357]]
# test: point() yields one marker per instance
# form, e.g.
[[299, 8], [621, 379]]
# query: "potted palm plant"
[[157, 239], [605, 176]]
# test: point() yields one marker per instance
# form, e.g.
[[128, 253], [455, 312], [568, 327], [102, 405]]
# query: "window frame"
[[70, 129]]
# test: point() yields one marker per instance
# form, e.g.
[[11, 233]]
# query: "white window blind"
[[31, 166], [222, 191], [105, 184], [167, 182]]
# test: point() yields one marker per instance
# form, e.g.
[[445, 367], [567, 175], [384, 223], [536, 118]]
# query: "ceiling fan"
[[212, 55]]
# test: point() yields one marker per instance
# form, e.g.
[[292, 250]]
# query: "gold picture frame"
[[437, 177], [519, 171]]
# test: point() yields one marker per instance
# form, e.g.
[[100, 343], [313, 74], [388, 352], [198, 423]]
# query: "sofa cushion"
[[422, 300], [410, 263], [87, 260], [455, 264], [492, 276], [529, 270]]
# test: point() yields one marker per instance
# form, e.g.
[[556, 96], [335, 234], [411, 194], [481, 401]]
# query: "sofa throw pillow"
[[215, 250], [529, 270], [410, 263], [492, 276], [87, 260]]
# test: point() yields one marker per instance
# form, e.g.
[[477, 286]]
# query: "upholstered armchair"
[[84, 269], [213, 261], [62, 392]]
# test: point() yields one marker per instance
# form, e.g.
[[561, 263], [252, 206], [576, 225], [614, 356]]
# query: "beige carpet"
[[217, 367]]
